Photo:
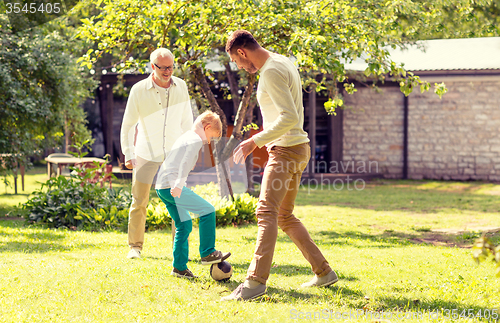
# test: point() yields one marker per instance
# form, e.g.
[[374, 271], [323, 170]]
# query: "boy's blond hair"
[[209, 118]]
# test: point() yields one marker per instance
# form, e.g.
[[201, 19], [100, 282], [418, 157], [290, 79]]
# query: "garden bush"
[[241, 211], [157, 216], [77, 204]]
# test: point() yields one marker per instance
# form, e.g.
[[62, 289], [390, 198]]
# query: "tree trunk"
[[224, 152], [233, 87], [66, 135], [225, 188], [236, 135], [209, 95]]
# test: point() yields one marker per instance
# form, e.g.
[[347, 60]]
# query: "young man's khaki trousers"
[[142, 179], [280, 185]]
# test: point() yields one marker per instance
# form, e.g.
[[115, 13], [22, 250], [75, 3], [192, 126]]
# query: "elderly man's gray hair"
[[160, 52]]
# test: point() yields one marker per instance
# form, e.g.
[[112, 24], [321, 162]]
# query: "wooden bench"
[[58, 162]]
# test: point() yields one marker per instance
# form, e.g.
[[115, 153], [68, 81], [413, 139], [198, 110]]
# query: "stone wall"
[[456, 137], [373, 131]]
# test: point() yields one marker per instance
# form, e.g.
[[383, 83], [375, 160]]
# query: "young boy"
[[180, 200]]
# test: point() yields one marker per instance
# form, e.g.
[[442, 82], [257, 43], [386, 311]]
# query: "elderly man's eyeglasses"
[[165, 68]]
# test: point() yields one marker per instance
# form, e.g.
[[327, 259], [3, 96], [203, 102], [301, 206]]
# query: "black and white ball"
[[221, 271]]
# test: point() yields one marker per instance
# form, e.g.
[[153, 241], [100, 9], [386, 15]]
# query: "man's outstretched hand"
[[243, 150]]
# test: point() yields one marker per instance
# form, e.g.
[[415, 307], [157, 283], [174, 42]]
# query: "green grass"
[[9, 200], [384, 248]]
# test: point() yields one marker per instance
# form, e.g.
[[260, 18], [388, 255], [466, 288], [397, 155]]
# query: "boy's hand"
[[176, 192]]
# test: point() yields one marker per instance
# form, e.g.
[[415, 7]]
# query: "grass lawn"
[[399, 247], [9, 200]]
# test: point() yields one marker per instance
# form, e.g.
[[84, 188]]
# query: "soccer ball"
[[221, 271]]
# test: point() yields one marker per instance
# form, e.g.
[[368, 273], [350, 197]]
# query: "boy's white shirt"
[[156, 133], [180, 161]]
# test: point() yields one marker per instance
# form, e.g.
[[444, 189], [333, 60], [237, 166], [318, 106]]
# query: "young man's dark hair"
[[241, 39]]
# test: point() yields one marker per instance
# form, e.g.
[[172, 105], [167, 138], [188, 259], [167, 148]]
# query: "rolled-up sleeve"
[[130, 120]]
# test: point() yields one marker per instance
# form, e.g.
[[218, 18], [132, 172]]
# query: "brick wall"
[[373, 130], [457, 137]]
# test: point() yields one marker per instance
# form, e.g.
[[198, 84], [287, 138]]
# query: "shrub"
[[241, 211], [71, 203], [157, 216], [76, 204]]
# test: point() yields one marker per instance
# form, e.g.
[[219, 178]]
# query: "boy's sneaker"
[[215, 257], [183, 274], [134, 253], [327, 280]]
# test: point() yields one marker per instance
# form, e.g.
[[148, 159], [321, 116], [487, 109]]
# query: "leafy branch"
[[484, 249]]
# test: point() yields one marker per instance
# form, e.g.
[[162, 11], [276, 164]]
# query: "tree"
[[130, 30], [322, 35], [41, 88], [450, 19]]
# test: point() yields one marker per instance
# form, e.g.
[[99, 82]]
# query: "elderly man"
[[159, 111]]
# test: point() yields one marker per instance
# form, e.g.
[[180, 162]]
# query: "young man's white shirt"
[[279, 94], [158, 125]]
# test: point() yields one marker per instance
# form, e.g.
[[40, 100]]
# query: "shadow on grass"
[[390, 239], [276, 295], [37, 241], [377, 306], [162, 258], [273, 294], [439, 307], [7, 195], [40, 247], [405, 196], [289, 270], [285, 270]]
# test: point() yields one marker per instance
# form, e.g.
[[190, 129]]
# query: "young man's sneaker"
[[244, 293], [183, 274], [327, 280], [134, 253], [215, 257]]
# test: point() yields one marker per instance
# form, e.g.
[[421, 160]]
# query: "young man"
[[159, 108], [280, 98]]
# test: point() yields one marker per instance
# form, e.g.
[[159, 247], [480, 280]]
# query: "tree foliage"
[[484, 249], [41, 88], [323, 36]]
